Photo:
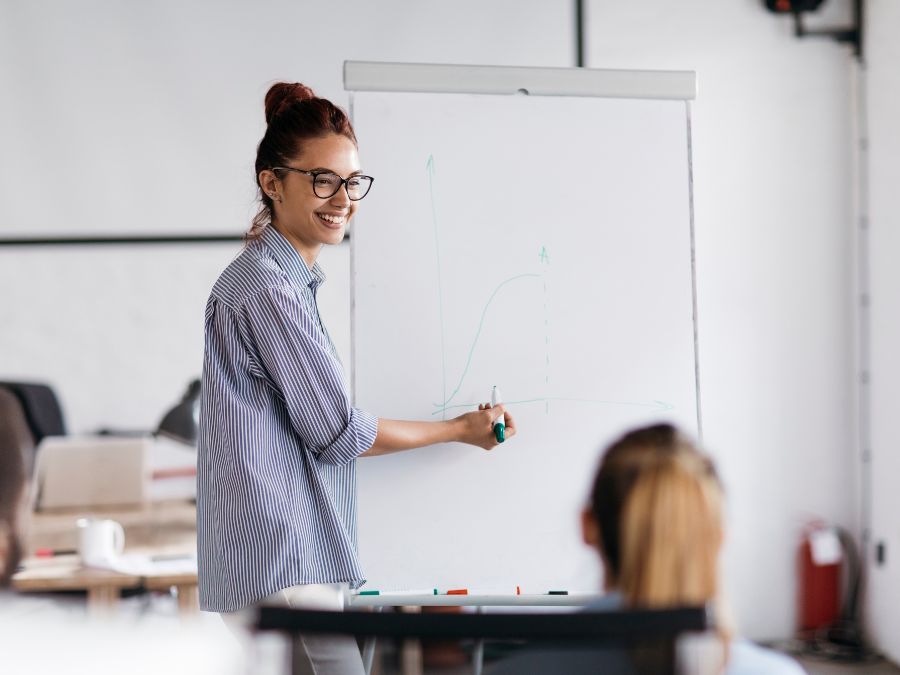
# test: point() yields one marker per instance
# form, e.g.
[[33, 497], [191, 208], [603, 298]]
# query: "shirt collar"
[[290, 260]]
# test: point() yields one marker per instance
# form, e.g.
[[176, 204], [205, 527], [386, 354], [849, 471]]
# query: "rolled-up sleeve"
[[295, 354]]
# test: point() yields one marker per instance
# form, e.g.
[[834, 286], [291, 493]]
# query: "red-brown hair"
[[294, 114]]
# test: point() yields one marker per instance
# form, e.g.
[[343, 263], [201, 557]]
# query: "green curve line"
[[659, 406], [443, 406], [429, 167]]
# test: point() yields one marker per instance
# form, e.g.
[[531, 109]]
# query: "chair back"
[[16, 440], [42, 409]]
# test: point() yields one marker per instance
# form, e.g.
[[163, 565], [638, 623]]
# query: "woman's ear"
[[268, 181], [590, 529]]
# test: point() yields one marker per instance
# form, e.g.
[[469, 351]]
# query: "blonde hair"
[[657, 501], [670, 531]]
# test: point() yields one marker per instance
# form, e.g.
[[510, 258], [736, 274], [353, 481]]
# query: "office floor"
[[816, 666], [813, 666]]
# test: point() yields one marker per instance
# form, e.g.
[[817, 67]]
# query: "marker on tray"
[[51, 552], [500, 422], [557, 592], [452, 591]]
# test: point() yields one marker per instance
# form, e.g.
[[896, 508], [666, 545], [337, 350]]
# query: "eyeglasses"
[[326, 184]]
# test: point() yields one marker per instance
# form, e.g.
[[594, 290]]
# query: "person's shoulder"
[[253, 270], [608, 602], [746, 658]]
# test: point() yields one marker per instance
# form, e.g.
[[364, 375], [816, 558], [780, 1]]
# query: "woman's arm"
[[292, 354], [474, 428]]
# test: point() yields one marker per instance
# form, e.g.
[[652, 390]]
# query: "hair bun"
[[284, 94]]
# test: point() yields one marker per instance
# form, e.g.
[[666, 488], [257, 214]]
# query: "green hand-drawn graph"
[[448, 400]]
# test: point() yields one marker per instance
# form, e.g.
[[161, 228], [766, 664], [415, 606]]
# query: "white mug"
[[100, 541]]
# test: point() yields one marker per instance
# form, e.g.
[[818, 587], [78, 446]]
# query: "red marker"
[[458, 591], [50, 552]]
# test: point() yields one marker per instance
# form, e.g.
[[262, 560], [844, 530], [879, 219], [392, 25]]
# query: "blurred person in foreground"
[[42, 635], [655, 518]]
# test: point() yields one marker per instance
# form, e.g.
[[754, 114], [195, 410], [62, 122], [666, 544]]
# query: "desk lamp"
[[180, 423]]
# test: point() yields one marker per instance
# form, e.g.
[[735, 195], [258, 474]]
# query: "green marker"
[[500, 422], [370, 593]]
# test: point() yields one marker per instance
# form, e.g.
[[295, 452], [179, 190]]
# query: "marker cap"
[[500, 431]]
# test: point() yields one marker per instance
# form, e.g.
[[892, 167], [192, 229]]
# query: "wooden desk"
[[65, 573], [166, 526], [161, 528], [185, 586]]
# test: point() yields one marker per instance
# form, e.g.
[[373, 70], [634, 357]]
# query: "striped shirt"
[[276, 472]]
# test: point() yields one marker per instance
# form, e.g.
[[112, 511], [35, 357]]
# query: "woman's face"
[[308, 221]]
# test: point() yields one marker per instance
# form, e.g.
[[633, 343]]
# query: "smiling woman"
[[309, 205], [276, 495]]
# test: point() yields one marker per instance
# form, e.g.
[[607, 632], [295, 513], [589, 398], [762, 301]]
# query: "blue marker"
[[500, 422]]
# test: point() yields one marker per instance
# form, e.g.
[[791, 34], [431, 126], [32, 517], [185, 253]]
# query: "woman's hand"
[[477, 428], [474, 428]]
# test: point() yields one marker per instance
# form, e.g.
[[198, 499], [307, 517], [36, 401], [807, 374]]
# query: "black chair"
[[42, 409]]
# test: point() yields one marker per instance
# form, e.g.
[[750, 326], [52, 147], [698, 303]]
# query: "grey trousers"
[[313, 654]]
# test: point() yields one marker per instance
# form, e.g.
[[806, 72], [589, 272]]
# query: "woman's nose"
[[341, 198]]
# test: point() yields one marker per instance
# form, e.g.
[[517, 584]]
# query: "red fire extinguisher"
[[819, 564]]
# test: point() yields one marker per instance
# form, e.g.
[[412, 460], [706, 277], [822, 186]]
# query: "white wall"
[[772, 177], [882, 57], [144, 118], [773, 224]]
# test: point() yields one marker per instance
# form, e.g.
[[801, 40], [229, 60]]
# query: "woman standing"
[[276, 503]]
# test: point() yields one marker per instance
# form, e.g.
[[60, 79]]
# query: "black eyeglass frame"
[[345, 182]]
